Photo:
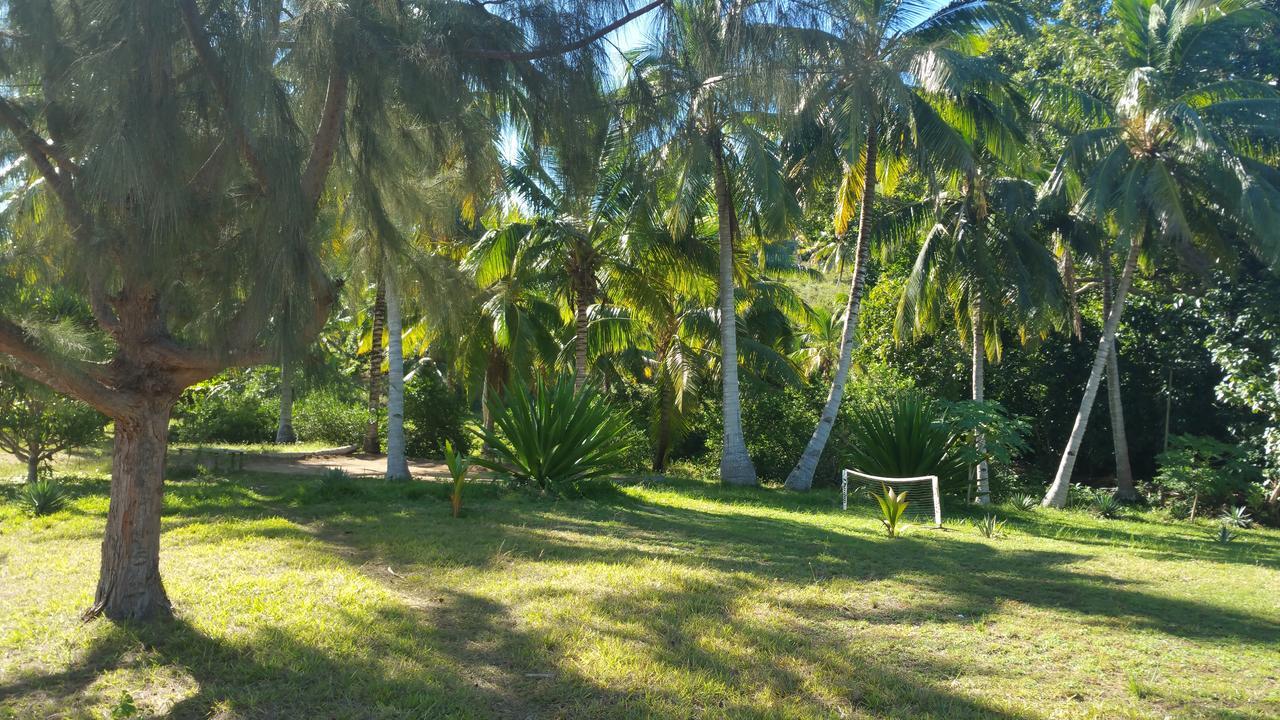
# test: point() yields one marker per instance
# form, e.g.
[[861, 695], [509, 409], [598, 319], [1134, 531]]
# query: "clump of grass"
[[1026, 502], [1224, 535], [1107, 506], [42, 497], [1237, 517], [336, 485]]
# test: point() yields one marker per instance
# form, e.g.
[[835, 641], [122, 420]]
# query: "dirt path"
[[361, 465]]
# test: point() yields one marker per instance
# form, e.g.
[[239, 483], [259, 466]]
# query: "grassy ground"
[[683, 600]]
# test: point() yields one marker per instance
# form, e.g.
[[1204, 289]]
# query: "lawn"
[[675, 600]]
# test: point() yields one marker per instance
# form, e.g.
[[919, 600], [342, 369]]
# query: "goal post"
[[930, 480]]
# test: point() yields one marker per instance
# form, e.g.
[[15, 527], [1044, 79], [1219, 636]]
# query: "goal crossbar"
[[933, 482]]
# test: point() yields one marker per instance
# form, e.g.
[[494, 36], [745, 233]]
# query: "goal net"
[[924, 499]]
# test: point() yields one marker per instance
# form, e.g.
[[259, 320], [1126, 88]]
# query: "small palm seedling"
[[458, 465], [892, 506], [1237, 517], [1224, 535], [1107, 506], [1026, 502], [990, 526], [42, 497]]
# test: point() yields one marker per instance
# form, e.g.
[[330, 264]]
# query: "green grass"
[[673, 601]]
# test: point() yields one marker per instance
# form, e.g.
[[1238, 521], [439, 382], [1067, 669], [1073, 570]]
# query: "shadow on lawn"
[[450, 653]]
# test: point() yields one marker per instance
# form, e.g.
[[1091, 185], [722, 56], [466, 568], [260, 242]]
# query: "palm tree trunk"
[[801, 477], [371, 440], [284, 426], [580, 342], [1057, 494], [1119, 439], [735, 464], [979, 367], [397, 465], [662, 433]]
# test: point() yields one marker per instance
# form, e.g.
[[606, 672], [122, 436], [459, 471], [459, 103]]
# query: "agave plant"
[[1026, 502], [892, 506], [42, 497], [1107, 506], [905, 436], [990, 526], [554, 438], [1224, 535], [458, 466], [1237, 517]]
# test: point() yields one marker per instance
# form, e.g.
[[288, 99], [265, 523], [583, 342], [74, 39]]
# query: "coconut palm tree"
[[897, 87], [1166, 159], [695, 90], [982, 260]]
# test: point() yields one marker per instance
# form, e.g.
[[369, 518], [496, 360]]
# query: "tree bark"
[[284, 426], [397, 465], [662, 434], [801, 477], [1119, 438], [1057, 494], [33, 465], [580, 341], [129, 586], [736, 467], [982, 472], [372, 443]]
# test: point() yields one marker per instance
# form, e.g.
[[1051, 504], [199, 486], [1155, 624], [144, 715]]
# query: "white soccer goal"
[[915, 486]]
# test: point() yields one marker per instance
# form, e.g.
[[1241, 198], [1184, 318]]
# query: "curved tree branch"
[[540, 53], [69, 377]]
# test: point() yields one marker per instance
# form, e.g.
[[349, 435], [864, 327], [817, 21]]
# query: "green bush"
[[328, 415], [1207, 473], [237, 407], [906, 435], [433, 415], [555, 439]]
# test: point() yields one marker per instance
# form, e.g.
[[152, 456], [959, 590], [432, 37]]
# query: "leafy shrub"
[[42, 497], [36, 423], [237, 407], [990, 526], [1204, 472], [1026, 502], [329, 415], [1224, 535], [777, 424], [892, 506], [553, 438], [906, 436], [434, 415]]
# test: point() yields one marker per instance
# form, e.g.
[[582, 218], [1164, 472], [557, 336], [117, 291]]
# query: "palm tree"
[[1167, 161], [982, 259], [894, 84], [692, 87]]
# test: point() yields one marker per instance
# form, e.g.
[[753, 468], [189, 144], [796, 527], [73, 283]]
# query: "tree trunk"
[[735, 464], [284, 426], [397, 465], [372, 443], [1057, 494], [580, 341], [662, 433], [129, 586], [33, 465], [979, 367], [801, 477], [1119, 438]]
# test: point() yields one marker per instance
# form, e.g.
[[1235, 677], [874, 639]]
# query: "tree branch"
[[37, 150], [68, 377], [194, 25], [325, 142], [540, 53]]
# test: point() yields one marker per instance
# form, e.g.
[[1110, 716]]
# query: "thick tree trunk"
[[735, 464], [372, 442], [397, 465], [129, 586], [1119, 438], [284, 426], [801, 477], [580, 341], [662, 433], [1057, 494], [979, 367]]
